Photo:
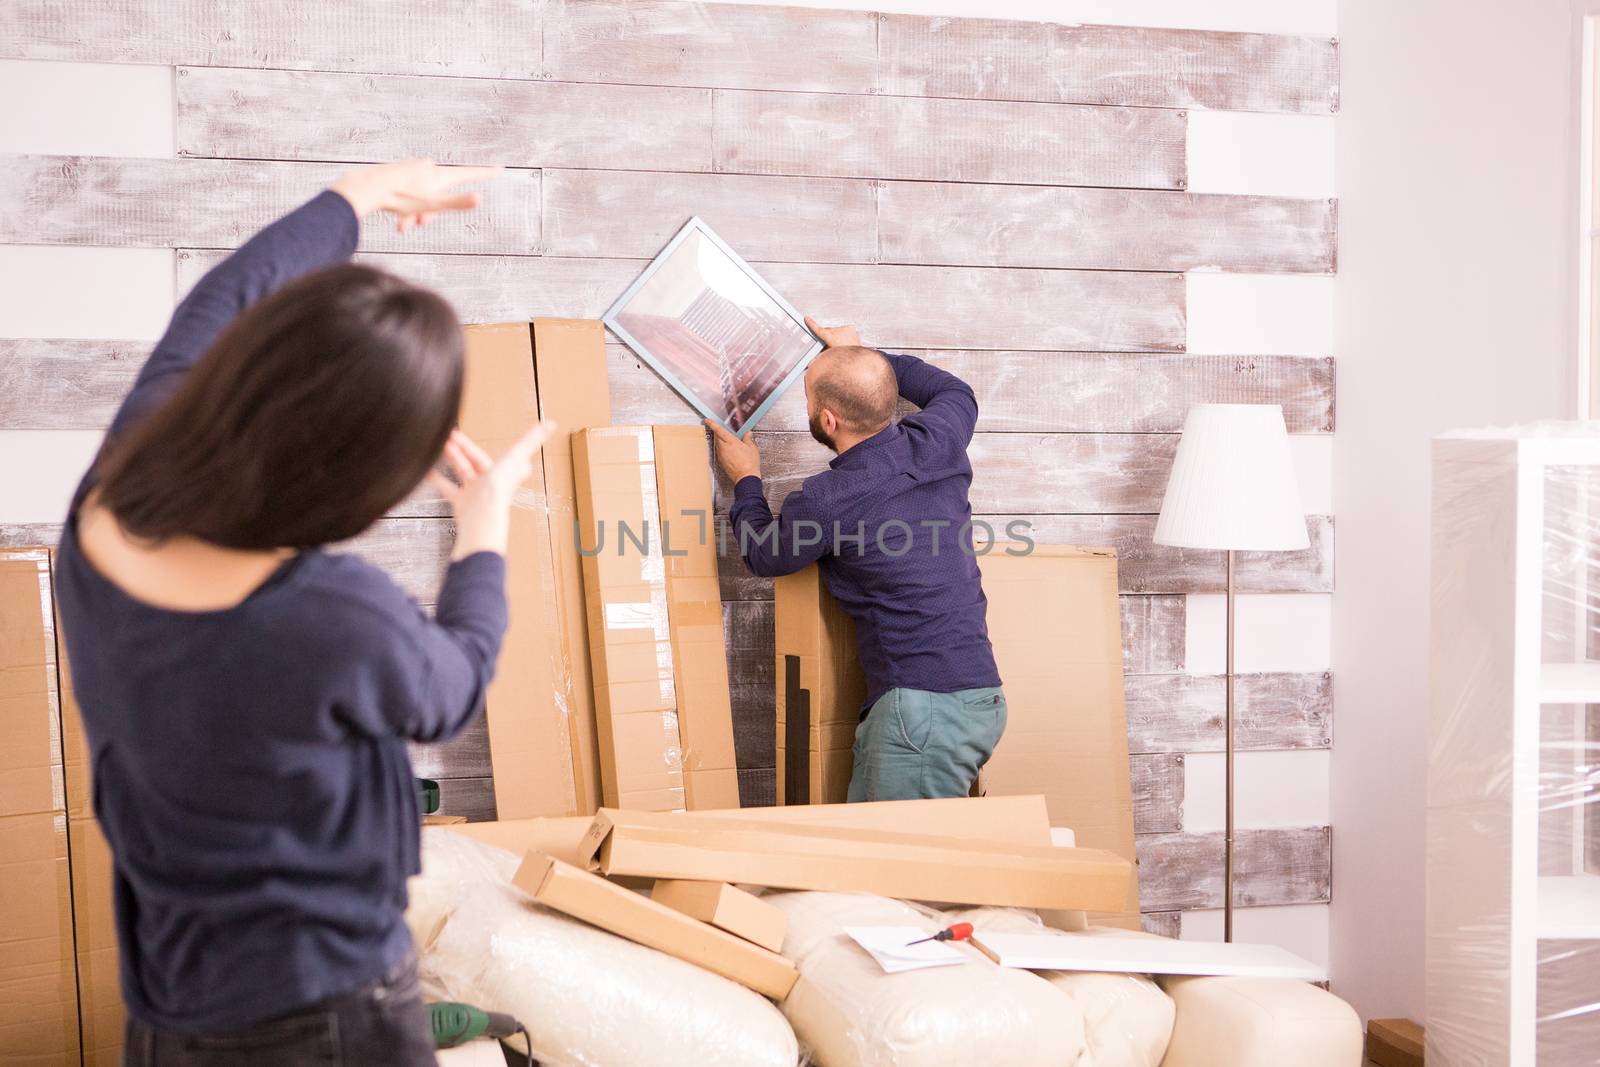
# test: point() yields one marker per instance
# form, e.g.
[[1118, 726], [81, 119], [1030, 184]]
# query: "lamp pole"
[[1227, 746]]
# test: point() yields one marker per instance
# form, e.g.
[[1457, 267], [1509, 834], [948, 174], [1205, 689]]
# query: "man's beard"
[[820, 435]]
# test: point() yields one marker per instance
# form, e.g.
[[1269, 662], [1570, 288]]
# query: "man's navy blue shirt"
[[889, 523], [249, 765]]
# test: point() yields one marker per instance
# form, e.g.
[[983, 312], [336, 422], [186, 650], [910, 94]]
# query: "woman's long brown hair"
[[317, 410]]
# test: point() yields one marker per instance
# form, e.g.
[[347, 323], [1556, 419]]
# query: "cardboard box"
[[38, 974], [820, 690], [530, 746], [628, 914], [727, 908], [1055, 626], [911, 866], [684, 486], [1394, 1043], [1017, 820], [663, 716], [94, 927], [570, 371], [625, 603]]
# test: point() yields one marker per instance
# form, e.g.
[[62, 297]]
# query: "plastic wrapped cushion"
[[851, 1014], [587, 997], [1127, 1018]]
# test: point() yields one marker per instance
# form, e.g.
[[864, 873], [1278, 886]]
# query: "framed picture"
[[714, 329]]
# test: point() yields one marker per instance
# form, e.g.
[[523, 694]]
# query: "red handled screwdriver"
[[958, 932]]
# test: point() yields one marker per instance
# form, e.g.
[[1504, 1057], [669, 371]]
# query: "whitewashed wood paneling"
[[56, 291], [898, 307], [92, 108], [1267, 155], [664, 42], [1274, 632], [495, 38], [1115, 229], [261, 114], [1249, 16], [1008, 60], [221, 203], [635, 213], [948, 140]]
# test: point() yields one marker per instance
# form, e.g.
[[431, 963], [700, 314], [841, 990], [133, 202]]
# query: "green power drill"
[[455, 1024]]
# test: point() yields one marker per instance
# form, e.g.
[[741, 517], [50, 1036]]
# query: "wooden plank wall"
[[1005, 199]]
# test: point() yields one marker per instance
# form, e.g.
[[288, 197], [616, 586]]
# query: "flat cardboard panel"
[[1019, 820], [1057, 636], [809, 626], [625, 604], [529, 737], [95, 932], [38, 988], [638, 918], [1395, 1043], [727, 908], [570, 366], [694, 609], [925, 867], [31, 758]]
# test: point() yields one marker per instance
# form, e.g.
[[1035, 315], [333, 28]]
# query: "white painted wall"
[[1455, 304]]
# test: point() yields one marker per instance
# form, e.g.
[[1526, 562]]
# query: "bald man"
[[889, 523]]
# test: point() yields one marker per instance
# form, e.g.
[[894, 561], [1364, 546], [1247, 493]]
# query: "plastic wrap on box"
[[850, 1014], [587, 997], [1513, 851], [1127, 1019]]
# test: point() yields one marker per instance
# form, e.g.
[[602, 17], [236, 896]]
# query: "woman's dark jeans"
[[383, 1022]]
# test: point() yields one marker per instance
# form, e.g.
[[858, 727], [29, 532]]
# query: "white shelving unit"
[[1513, 901]]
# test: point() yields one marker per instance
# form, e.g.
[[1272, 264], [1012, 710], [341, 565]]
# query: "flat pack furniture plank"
[[1056, 951], [948, 140], [499, 39], [735, 46], [261, 114], [636, 917], [1049, 310], [1001, 59], [1105, 229], [221, 203], [1052, 392], [727, 908], [633, 214], [664, 845]]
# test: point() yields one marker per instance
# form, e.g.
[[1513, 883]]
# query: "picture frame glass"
[[714, 329]]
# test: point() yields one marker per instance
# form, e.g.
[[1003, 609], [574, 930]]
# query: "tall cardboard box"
[[539, 709], [1055, 626], [820, 690], [38, 980], [570, 370], [654, 615]]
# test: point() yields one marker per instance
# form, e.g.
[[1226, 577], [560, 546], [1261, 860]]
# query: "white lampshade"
[[1232, 484]]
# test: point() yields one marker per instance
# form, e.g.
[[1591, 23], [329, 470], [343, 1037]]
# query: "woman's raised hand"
[[487, 488], [413, 190]]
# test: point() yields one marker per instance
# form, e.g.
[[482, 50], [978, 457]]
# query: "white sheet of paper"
[[1054, 951], [889, 946]]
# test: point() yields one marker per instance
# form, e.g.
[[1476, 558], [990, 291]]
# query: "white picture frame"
[[713, 328]]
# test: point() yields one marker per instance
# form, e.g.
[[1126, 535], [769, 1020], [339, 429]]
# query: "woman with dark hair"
[[248, 696]]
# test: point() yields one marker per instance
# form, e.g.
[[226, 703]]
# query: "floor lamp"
[[1232, 489]]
